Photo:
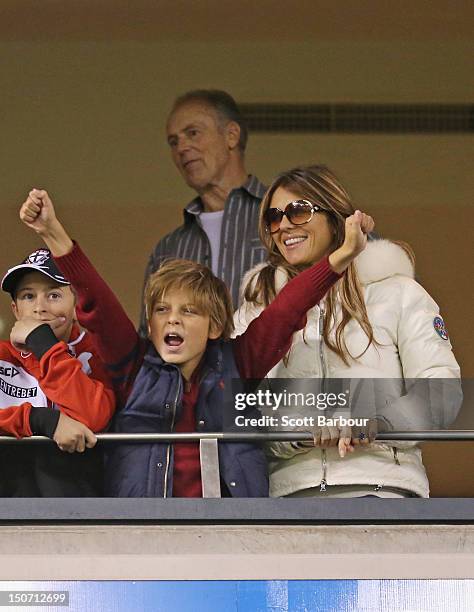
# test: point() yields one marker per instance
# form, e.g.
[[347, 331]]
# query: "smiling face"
[[179, 330], [200, 145], [39, 297], [301, 244]]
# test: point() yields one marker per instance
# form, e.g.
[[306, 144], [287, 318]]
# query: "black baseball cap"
[[40, 260]]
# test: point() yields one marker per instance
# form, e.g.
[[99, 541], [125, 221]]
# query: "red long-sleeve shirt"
[[78, 385]]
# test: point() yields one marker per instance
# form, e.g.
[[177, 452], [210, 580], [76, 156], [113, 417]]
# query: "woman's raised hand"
[[358, 226]]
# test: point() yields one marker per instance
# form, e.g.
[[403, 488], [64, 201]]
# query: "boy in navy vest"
[[175, 380]]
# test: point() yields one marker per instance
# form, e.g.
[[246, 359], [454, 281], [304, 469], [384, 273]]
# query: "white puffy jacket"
[[403, 317]]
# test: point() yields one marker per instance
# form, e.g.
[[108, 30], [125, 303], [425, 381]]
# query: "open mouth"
[[173, 339], [288, 242]]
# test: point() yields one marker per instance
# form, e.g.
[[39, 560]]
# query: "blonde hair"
[[319, 185], [210, 294]]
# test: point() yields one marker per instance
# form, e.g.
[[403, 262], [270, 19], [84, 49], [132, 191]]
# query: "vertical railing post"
[[210, 476]]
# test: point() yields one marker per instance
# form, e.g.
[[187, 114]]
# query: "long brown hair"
[[319, 185]]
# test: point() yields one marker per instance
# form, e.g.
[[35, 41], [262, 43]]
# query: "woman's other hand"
[[358, 226]]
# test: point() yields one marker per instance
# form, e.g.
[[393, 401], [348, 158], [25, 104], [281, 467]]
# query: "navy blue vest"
[[154, 406]]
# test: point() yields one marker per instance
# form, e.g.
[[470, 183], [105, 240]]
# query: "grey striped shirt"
[[240, 246]]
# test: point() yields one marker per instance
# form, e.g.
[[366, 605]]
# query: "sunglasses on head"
[[298, 212]]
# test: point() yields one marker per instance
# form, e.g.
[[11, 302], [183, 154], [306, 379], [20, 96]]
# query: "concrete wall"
[[263, 552]]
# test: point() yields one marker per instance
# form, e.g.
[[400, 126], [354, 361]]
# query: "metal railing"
[[277, 436], [208, 445]]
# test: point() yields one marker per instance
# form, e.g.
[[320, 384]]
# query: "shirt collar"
[[255, 187], [252, 186]]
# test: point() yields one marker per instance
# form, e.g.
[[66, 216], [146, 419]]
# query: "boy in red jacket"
[[52, 384]]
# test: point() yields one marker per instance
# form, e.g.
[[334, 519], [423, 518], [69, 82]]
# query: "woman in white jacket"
[[376, 323]]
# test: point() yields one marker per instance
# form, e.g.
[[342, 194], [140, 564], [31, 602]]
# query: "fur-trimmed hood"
[[380, 259]]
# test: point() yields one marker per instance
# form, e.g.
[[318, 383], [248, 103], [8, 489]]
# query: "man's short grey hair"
[[224, 105]]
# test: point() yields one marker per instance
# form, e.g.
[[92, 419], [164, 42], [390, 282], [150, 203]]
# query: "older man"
[[207, 137]]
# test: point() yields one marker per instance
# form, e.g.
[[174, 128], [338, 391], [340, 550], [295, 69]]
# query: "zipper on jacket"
[[321, 348], [323, 483], [168, 451]]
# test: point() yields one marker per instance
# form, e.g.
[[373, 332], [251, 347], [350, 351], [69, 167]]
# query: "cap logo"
[[38, 258]]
